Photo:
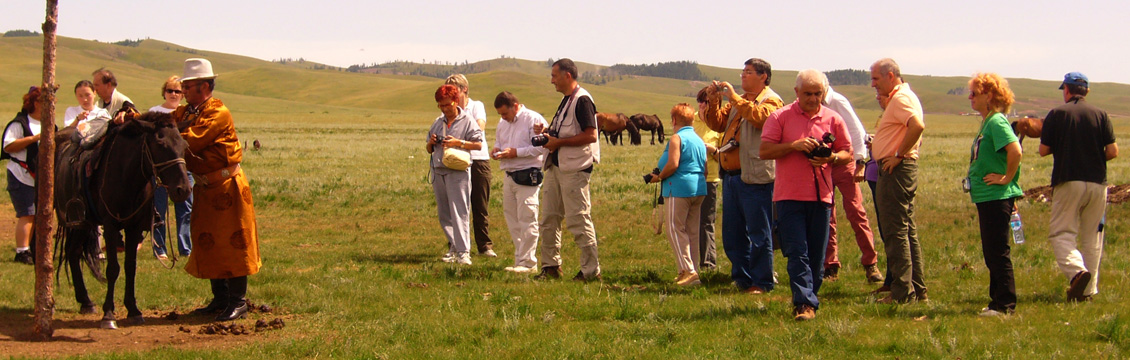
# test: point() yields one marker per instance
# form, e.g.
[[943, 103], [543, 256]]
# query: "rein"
[[102, 188], [156, 169]]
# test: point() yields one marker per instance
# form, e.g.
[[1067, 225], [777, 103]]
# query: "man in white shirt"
[[522, 162], [845, 178], [480, 169], [106, 86]]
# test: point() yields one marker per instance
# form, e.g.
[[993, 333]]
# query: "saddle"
[[75, 164]]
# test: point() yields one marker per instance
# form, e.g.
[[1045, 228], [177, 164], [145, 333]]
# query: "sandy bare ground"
[[81, 334], [1115, 194]]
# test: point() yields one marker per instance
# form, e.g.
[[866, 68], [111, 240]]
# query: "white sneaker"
[[489, 253], [448, 257], [987, 312], [463, 259], [520, 269]]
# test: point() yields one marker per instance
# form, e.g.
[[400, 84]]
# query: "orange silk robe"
[[225, 243]]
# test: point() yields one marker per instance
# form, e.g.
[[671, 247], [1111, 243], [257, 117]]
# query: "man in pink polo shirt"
[[806, 139], [896, 146]]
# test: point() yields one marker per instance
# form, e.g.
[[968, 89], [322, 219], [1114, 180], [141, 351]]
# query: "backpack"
[[32, 150]]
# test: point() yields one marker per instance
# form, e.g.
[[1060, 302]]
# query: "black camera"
[[647, 178], [541, 139], [823, 150]]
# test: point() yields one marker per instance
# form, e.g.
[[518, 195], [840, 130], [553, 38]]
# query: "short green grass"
[[348, 231]]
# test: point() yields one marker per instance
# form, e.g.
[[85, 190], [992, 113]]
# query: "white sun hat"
[[197, 69]]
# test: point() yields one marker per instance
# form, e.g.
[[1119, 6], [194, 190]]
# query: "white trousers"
[[520, 204], [1077, 210]]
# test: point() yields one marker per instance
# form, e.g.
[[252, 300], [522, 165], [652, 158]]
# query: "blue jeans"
[[183, 213], [803, 226], [746, 234]]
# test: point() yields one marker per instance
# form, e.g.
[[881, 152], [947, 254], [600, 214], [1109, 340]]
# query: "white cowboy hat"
[[197, 69]]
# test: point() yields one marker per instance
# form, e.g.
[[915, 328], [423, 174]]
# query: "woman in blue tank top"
[[683, 177]]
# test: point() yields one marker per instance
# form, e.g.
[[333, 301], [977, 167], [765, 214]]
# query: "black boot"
[[219, 298], [237, 304]]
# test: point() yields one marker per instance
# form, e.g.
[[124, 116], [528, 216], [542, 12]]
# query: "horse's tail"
[[634, 133], [78, 244], [661, 134]]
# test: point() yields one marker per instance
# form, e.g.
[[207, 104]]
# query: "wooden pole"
[[45, 184]]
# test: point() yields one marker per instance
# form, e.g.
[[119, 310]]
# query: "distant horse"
[[649, 123], [613, 125], [110, 185], [1028, 126]]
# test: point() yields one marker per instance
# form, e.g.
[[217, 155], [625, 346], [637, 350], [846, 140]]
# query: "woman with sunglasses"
[[172, 92], [994, 170], [453, 129]]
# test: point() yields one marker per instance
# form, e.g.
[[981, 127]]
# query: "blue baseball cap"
[[1075, 78]]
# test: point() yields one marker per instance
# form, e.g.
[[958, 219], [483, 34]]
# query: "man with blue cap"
[[1080, 138]]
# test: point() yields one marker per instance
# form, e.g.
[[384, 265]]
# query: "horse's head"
[[165, 150]]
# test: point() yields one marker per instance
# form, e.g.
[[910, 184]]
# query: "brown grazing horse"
[[1028, 126], [613, 126], [649, 123], [110, 185]]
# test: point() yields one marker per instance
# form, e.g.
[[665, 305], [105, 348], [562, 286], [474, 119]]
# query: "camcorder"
[[824, 149], [647, 178], [541, 139], [729, 145]]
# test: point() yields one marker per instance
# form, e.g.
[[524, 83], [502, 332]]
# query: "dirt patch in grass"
[[81, 334], [77, 334], [1115, 194]]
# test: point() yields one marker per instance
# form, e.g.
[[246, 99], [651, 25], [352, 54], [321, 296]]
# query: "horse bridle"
[[156, 168]]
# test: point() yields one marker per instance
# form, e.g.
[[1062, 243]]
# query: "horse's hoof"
[[86, 309], [109, 324], [135, 320]]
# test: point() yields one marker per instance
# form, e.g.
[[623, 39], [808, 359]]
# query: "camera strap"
[[562, 113]]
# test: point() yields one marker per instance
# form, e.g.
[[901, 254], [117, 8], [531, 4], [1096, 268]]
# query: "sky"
[[1017, 38]]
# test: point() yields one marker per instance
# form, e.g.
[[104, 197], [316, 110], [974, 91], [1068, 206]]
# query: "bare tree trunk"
[[45, 184]]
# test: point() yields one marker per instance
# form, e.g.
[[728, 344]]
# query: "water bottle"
[[1017, 227]]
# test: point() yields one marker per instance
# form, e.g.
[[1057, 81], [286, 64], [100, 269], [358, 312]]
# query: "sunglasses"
[[172, 91]]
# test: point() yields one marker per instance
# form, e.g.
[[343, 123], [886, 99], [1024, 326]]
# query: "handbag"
[[455, 159], [528, 177]]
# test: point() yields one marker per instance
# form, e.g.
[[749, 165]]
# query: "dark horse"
[[613, 126], [649, 123], [111, 185]]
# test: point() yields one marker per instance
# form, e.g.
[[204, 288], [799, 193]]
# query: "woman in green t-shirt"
[[994, 171]]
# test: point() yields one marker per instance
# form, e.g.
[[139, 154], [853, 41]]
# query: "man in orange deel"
[[225, 241]]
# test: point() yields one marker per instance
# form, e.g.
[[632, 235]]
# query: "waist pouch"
[[528, 177]]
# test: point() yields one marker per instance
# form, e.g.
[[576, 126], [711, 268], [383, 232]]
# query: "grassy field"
[[349, 236], [348, 228]]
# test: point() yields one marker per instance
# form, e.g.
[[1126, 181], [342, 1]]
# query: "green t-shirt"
[[988, 156]]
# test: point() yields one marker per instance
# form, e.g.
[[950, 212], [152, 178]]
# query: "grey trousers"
[[453, 197], [565, 196], [896, 192], [708, 254]]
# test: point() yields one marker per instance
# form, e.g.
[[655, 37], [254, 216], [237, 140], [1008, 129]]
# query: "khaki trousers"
[[1077, 210], [682, 230], [565, 196], [520, 204]]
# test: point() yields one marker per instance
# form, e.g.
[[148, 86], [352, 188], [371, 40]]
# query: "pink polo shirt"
[[795, 175]]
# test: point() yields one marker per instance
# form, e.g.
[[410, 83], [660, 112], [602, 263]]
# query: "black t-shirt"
[[586, 117], [1077, 134]]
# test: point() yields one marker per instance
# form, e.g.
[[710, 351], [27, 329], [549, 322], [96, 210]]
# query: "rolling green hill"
[[263, 86]]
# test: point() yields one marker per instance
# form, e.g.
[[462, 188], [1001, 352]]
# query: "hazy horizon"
[[1018, 39]]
